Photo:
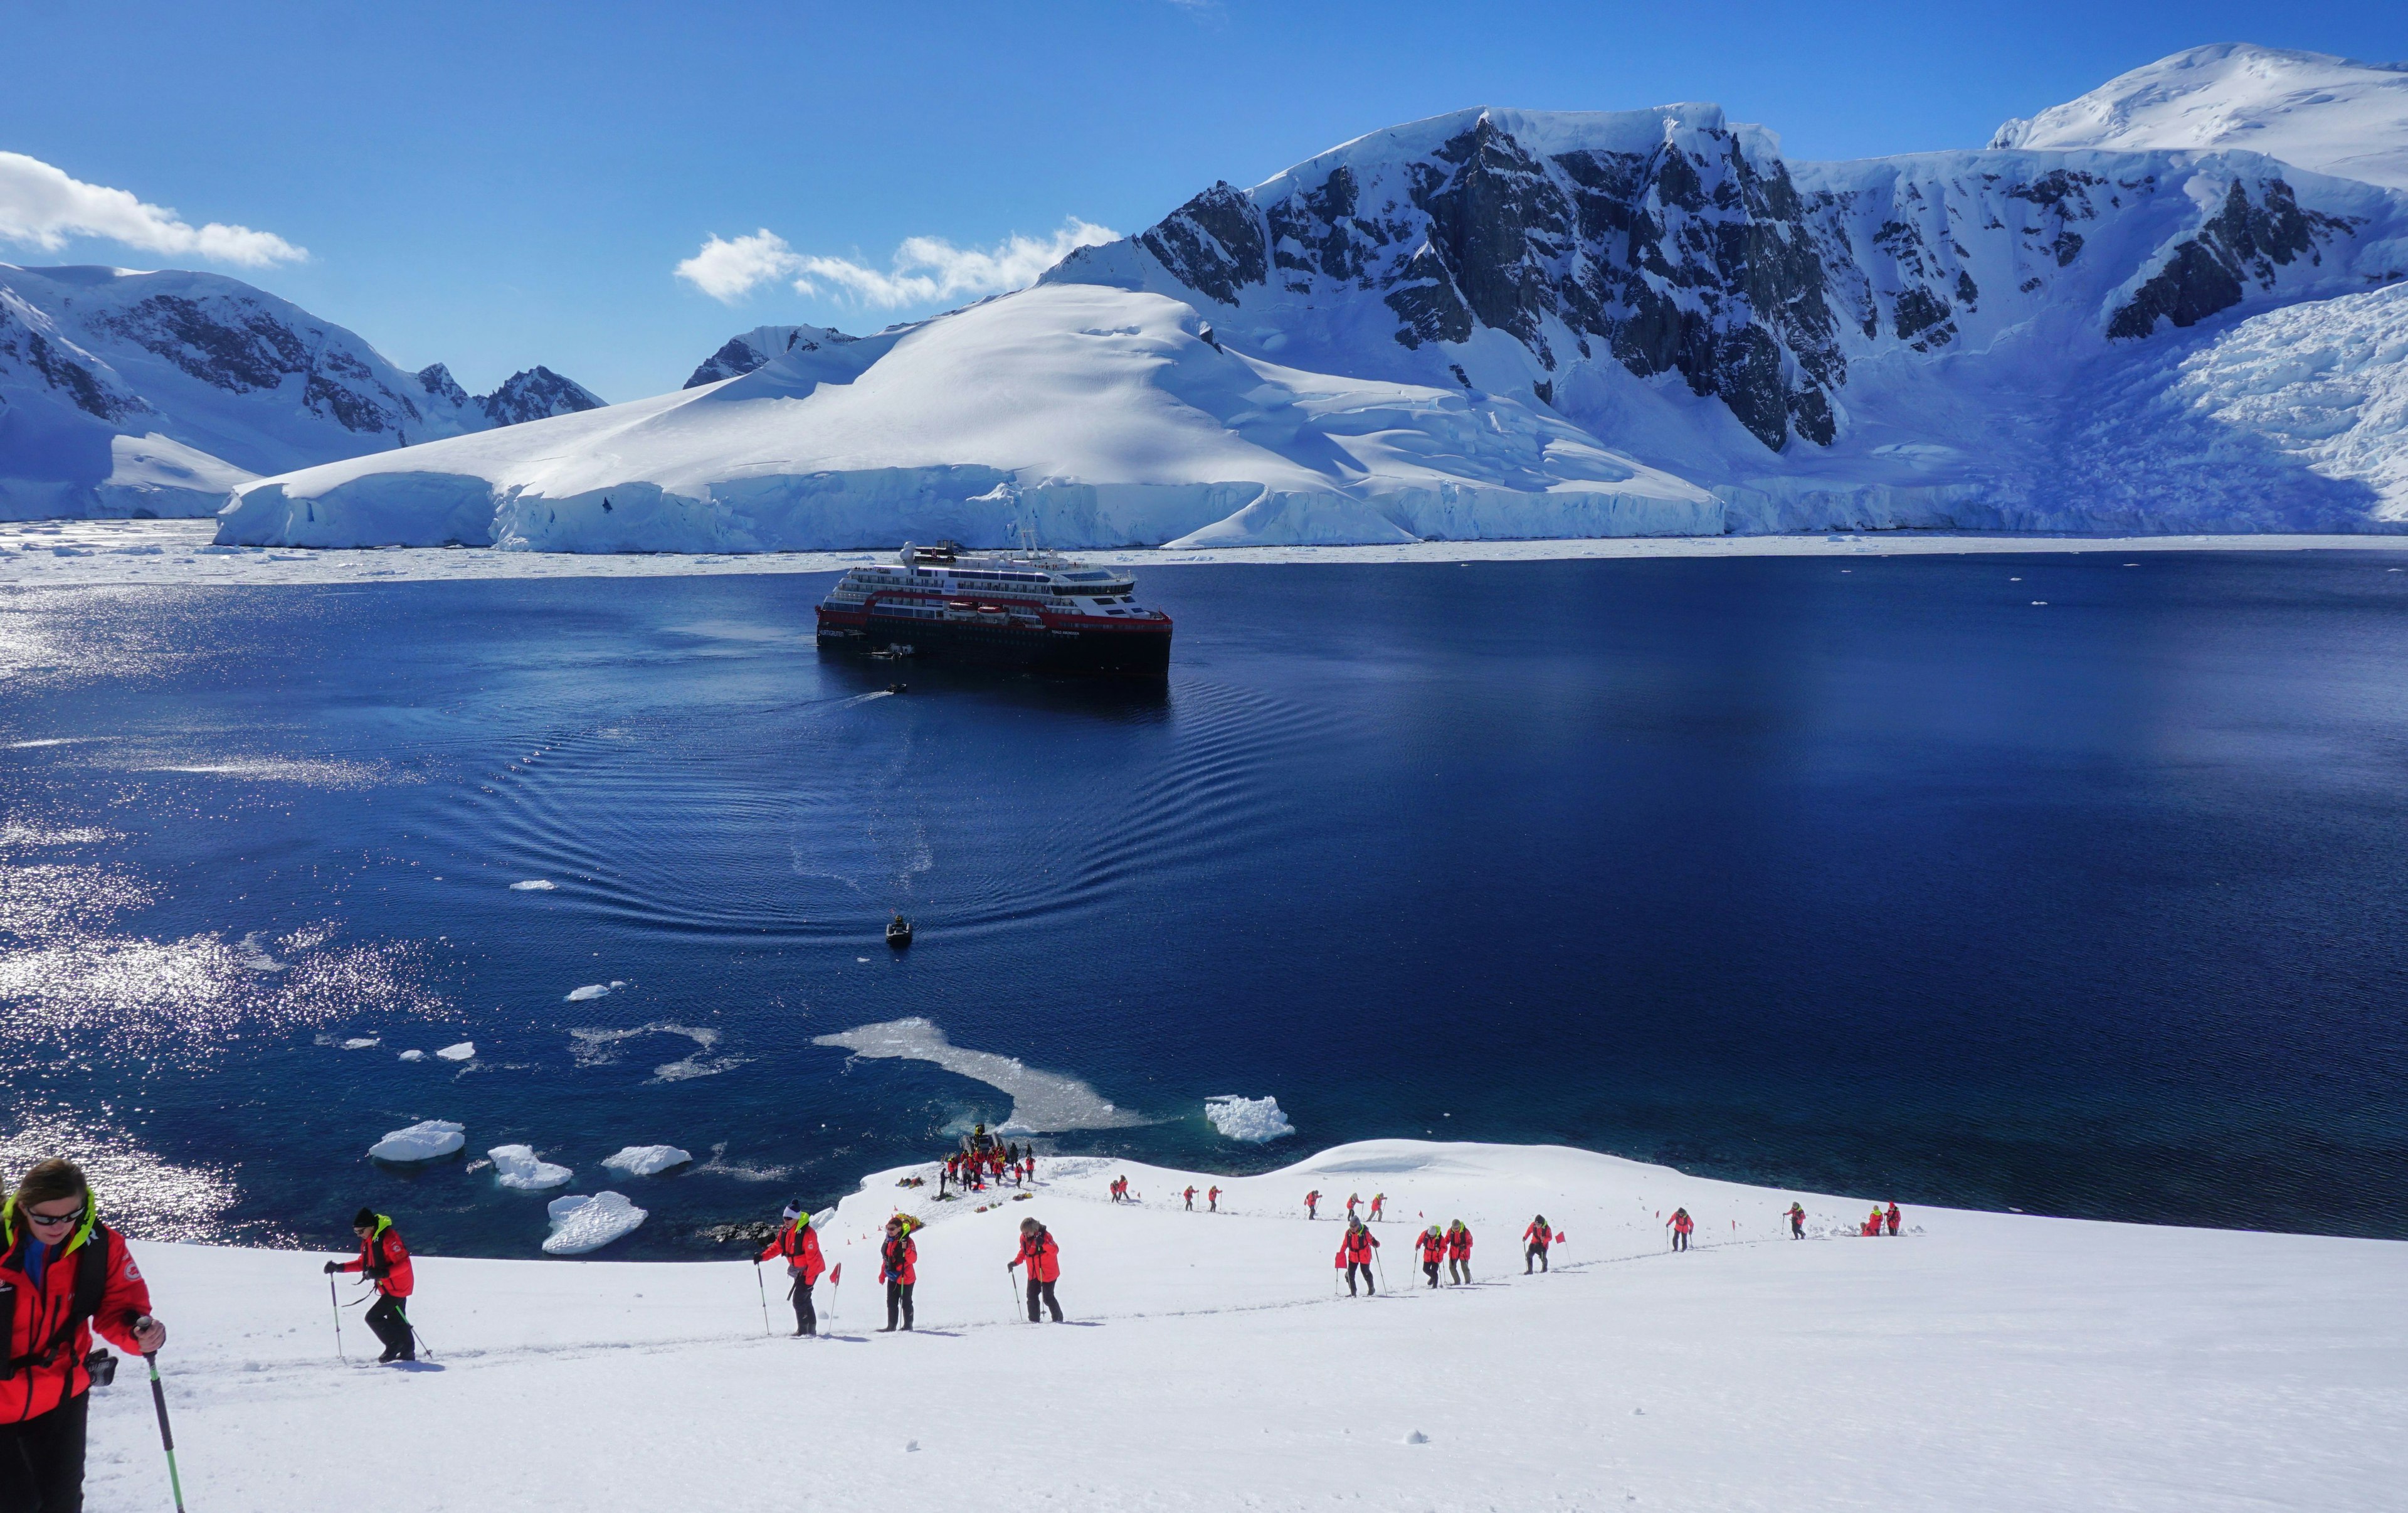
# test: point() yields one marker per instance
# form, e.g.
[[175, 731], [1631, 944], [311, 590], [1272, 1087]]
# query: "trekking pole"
[[336, 1304], [166, 1436], [763, 1288], [413, 1329], [1013, 1287]]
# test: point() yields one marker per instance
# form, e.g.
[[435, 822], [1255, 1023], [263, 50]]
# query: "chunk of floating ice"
[[361, 1043], [1252, 1120], [518, 1167], [534, 885], [579, 995], [460, 1052], [580, 1224], [1043, 1103], [420, 1141], [413, 1055], [646, 1160]]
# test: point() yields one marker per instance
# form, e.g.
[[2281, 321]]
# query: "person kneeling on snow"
[[1433, 1244], [64, 1274], [384, 1260], [1044, 1259], [1354, 1254], [800, 1245], [898, 1259]]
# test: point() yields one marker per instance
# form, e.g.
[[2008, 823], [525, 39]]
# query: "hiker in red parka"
[[1534, 1240], [384, 1260], [1433, 1244], [800, 1245], [1459, 1252], [898, 1267], [67, 1273], [1190, 1196], [1354, 1253], [1796, 1221], [1213, 1201], [1379, 1203], [1892, 1218], [1313, 1203], [1682, 1224], [1044, 1260]]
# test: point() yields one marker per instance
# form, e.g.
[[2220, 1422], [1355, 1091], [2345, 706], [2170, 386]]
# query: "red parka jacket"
[[1682, 1223], [800, 1245], [1539, 1235], [47, 1374], [1042, 1257], [897, 1260], [1458, 1243], [385, 1259], [1433, 1247], [1356, 1247]]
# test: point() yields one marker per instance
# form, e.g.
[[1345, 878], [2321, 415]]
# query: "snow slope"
[[1979, 1362], [2332, 115], [1096, 415], [1490, 323], [126, 392]]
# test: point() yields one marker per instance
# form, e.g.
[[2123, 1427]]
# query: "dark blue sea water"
[[1868, 875]]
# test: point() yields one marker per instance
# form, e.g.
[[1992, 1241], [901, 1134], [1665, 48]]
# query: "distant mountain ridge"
[[124, 392], [2328, 115]]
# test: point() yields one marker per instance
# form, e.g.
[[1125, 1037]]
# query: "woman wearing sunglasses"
[[62, 1273]]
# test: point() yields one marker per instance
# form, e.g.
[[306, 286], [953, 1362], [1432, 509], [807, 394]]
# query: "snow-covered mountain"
[[742, 354], [124, 392], [2331, 115], [1499, 322]]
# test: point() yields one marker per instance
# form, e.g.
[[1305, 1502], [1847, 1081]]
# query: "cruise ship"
[[1019, 608]]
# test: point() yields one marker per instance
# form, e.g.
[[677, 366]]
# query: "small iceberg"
[[413, 1055], [1252, 1120], [361, 1042], [423, 1142], [591, 990], [580, 1224], [646, 1160], [460, 1052], [534, 885], [519, 1167]]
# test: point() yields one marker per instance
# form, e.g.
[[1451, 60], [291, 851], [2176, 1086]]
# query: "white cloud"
[[42, 206], [923, 270]]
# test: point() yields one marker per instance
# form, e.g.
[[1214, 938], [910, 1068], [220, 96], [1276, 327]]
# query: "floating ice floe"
[[646, 1160], [1252, 1120], [413, 1055], [423, 1142], [592, 990], [1043, 1103], [460, 1052], [534, 885], [580, 1223], [361, 1042], [518, 1166]]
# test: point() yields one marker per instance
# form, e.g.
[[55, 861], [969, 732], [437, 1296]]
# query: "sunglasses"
[[52, 1221]]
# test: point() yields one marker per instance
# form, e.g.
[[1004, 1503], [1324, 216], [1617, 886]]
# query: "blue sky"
[[496, 185]]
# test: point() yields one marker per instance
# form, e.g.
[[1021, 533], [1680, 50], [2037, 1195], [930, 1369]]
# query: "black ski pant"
[[1680, 1240], [1353, 1266], [899, 1296], [1536, 1253], [41, 1461], [1043, 1291], [1798, 1229], [391, 1326], [807, 1319], [1429, 1269]]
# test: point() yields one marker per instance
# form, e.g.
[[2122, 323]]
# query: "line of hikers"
[[1451, 1246], [1353, 1202], [973, 1170]]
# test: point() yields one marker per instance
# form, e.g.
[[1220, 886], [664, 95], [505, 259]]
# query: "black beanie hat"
[[365, 1219]]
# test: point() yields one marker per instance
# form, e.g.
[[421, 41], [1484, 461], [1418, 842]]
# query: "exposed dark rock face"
[[2246, 240], [20, 346], [536, 393], [1690, 250], [440, 385], [742, 354]]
